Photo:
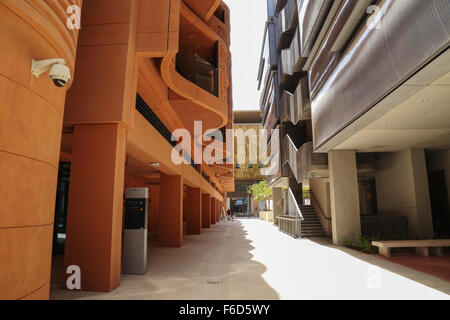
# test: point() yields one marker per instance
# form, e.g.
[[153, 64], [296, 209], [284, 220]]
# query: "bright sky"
[[248, 19]]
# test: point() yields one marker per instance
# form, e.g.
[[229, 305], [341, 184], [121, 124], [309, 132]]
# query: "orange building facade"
[[140, 69]]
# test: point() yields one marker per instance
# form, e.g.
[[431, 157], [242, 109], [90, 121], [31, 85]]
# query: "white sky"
[[248, 19]]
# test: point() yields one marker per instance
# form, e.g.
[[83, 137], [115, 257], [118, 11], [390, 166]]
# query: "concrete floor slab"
[[251, 259]]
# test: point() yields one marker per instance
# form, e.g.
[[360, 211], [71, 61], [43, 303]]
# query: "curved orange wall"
[[31, 117]]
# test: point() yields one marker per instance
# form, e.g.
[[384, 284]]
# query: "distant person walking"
[[230, 215]]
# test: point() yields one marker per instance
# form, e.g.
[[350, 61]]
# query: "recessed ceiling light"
[[155, 164]]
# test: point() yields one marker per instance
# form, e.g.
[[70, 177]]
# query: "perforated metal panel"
[[411, 33]]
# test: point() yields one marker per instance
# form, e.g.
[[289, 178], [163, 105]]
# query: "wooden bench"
[[423, 247]]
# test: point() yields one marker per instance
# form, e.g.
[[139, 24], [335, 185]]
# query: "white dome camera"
[[58, 72]]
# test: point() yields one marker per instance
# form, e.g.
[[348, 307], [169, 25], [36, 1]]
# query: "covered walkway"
[[251, 259]]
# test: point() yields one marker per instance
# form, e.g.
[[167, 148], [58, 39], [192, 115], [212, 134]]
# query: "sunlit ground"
[[304, 269], [250, 259]]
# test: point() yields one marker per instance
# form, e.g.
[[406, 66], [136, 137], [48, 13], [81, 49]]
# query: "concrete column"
[[94, 221], [194, 210], [423, 221], [402, 189], [206, 210], [277, 204], [345, 212], [213, 210], [225, 201], [170, 220]]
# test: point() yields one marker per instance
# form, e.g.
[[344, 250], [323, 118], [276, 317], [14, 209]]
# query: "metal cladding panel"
[[311, 14], [326, 59], [383, 55], [296, 107]]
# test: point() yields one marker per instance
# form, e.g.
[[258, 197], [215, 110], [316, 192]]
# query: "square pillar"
[[277, 204], [206, 210], [94, 221], [345, 212], [217, 211], [213, 210], [170, 219], [402, 188], [225, 201], [194, 210]]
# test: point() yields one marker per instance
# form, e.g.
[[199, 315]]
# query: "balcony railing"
[[291, 220], [199, 71], [290, 225], [305, 164], [296, 107]]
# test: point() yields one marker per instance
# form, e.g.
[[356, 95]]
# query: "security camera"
[[59, 73]]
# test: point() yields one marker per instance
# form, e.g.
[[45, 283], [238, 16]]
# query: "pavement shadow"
[[215, 265]]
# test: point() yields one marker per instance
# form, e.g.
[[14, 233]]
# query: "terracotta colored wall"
[[31, 113], [170, 233], [206, 211], [95, 210], [104, 90], [213, 210], [153, 214], [153, 28], [194, 210], [144, 138]]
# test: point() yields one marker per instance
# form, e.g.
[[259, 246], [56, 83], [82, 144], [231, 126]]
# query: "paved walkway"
[[251, 259]]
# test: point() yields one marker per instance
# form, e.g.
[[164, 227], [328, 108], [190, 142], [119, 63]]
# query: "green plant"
[[348, 242], [261, 192], [365, 244]]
